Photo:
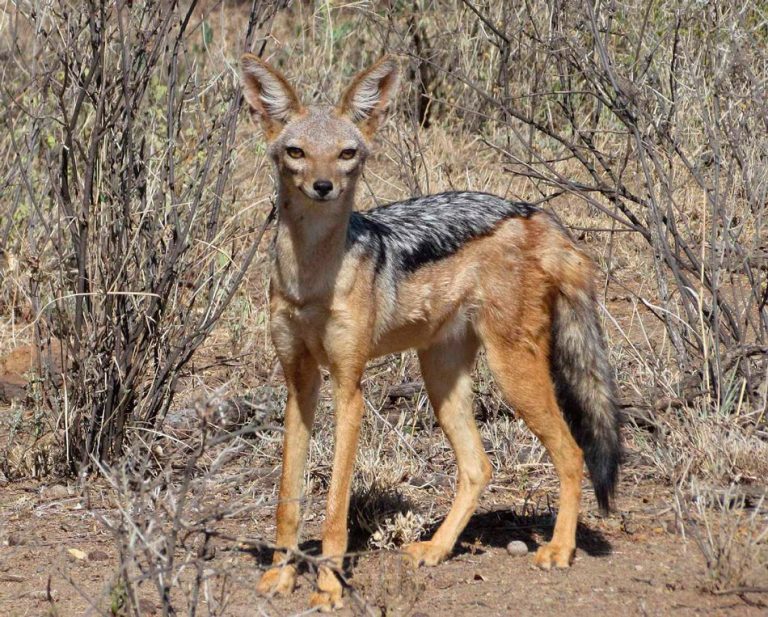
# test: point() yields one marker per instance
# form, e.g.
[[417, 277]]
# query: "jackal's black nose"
[[323, 187]]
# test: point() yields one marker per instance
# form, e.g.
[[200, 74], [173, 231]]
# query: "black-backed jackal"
[[444, 274]]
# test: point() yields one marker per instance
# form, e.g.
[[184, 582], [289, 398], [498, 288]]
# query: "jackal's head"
[[319, 151]]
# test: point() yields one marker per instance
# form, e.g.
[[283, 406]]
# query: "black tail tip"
[[604, 500], [604, 472]]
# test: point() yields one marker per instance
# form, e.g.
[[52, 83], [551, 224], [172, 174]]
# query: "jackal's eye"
[[295, 153], [347, 154]]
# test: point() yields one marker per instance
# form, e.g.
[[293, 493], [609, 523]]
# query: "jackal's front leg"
[[447, 371], [303, 381], [349, 413]]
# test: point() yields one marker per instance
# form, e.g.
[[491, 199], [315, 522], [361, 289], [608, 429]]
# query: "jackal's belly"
[[422, 334]]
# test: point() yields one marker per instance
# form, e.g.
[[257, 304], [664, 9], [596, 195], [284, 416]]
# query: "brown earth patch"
[[57, 558]]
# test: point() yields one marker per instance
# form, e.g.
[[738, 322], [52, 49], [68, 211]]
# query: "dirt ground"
[[56, 558]]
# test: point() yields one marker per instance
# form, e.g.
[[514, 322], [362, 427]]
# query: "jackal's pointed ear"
[[369, 96], [272, 99]]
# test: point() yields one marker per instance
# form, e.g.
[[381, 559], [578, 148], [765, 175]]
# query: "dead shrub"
[[121, 149], [731, 533]]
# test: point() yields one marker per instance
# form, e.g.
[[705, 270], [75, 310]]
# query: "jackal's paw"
[[555, 555], [280, 580], [328, 594], [425, 553]]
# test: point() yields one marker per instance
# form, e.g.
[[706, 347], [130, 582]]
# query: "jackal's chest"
[[298, 329], [331, 331], [328, 314]]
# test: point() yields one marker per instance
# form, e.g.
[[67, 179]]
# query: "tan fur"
[[326, 310]]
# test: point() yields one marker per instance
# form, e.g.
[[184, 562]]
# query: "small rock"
[[516, 548], [76, 553], [97, 556]]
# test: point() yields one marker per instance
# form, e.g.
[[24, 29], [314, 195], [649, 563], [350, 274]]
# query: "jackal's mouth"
[[315, 197]]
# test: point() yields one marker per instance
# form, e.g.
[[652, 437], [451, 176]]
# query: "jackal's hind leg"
[[303, 381], [521, 370], [447, 371]]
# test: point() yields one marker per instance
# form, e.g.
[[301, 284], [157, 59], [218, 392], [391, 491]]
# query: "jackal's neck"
[[310, 244]]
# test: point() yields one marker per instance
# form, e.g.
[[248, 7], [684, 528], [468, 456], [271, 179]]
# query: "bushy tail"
[[585, 390]]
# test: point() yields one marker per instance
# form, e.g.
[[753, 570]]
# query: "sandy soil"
[[56, 558]]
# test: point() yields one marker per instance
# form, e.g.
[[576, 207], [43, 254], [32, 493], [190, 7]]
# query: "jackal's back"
[[404, 236]]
